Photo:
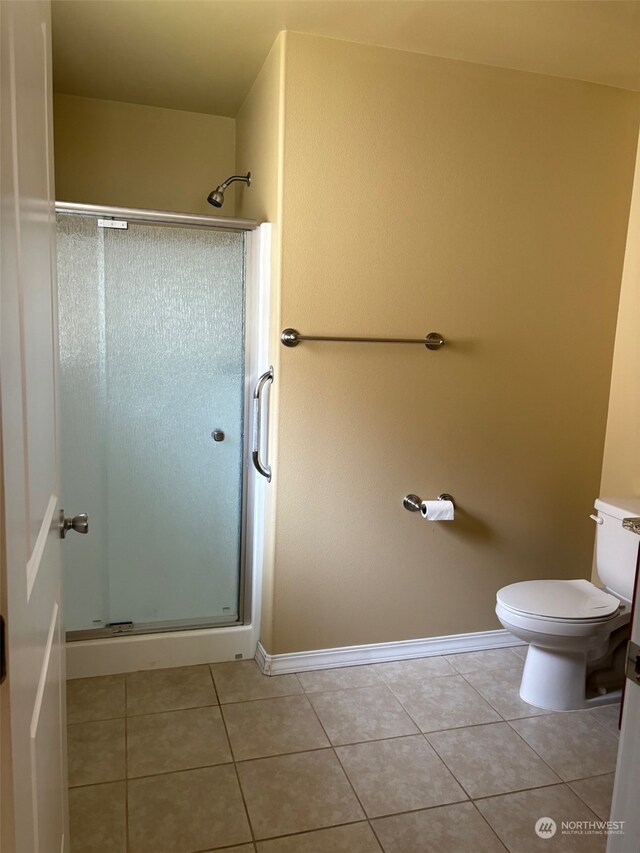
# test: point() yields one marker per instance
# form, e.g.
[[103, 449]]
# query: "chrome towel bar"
[[291, 338], [261, 467]]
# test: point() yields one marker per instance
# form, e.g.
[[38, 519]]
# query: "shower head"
[[216, 197]]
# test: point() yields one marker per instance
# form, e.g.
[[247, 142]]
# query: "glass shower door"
[[153, 396]]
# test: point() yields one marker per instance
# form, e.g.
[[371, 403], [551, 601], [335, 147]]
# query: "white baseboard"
[[380, 652]]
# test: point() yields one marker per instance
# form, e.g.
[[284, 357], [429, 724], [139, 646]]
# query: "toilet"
[[577, 632]]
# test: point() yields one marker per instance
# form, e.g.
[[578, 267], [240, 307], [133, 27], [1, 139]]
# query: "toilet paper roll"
[[437, 510]]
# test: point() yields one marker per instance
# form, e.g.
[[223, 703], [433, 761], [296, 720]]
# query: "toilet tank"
[[617, 548]]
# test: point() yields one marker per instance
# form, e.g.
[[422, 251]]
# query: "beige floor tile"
[[181, 812], [399, 775], [501, 688], [608, 716], [514, 816], [491, 759], [354, 838], [521, 651], [339, 678], [243, 848], [240, 681], [596, 793], [91, 699], [443, 703], [294, 793], [272, 727], [96, 752], [156, 690], [572, 743], [487, 659], [176, 740], [364, 713], [418, 668], [98, 819], [448, 829]]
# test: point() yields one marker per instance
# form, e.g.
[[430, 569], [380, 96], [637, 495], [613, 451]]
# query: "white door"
[[626, 790], [35, 681]]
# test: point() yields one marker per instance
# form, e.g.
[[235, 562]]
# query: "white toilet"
[[577, 632]]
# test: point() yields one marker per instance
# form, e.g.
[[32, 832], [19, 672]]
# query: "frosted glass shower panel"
[[175, 373], [82, 395], [152, 362]]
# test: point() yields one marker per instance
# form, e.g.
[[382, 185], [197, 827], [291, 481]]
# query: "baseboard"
[[380, 652]]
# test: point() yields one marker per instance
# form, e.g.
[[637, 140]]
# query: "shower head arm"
[[246, 178]]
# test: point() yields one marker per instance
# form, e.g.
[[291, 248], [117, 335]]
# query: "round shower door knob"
[[79, 523]]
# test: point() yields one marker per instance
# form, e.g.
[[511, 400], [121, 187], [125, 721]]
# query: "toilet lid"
[[577, 599]]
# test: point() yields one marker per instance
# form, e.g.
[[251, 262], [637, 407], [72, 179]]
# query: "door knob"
[[79, 523]]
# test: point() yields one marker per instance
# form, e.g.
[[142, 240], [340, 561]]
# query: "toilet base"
[[555, 680]]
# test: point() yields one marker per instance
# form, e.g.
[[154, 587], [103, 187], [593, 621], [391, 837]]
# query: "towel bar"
[[291, 338]]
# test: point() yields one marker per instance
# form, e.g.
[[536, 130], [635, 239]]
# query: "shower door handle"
[[261, 467]]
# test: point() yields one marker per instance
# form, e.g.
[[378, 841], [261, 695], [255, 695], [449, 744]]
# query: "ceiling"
[[203, 55]]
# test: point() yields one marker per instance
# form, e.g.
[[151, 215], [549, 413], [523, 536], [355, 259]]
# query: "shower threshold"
[[128, 629]]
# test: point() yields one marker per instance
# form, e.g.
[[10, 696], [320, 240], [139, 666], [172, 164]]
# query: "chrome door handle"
[[79, 523], [261, 467]]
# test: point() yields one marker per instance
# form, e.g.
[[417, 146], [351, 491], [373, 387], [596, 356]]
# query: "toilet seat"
[[572, 600]]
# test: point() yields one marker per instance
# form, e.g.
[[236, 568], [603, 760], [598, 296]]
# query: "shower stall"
[[162, 326]]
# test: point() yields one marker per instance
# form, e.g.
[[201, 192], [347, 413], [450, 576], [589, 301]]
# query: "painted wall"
[[259, 149], [108, 152], [489, 205], [621, 467]]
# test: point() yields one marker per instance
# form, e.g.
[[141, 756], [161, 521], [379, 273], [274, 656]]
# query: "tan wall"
[[107, 152], [491, 206], [621, 468], [259, 149]]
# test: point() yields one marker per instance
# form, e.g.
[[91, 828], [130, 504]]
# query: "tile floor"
[[435, 755]]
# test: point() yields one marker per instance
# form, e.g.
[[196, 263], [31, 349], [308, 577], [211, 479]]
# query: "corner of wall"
[[260, 149], [620, 468]]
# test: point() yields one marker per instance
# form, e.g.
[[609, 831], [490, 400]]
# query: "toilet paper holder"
[[413, 502]]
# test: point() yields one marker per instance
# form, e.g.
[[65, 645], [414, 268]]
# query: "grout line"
[[535, 752], [491, 829], [171, 710], [337, 757], [615, 734], [380, 683], [377, 837], [580, 797], [592, 776], [306, 831], [213, 681], [235, 770], [544, 716], [545, 711], [518, 791], [421, 730]]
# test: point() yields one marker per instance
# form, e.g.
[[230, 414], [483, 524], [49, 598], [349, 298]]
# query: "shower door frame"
[[256, 329]]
